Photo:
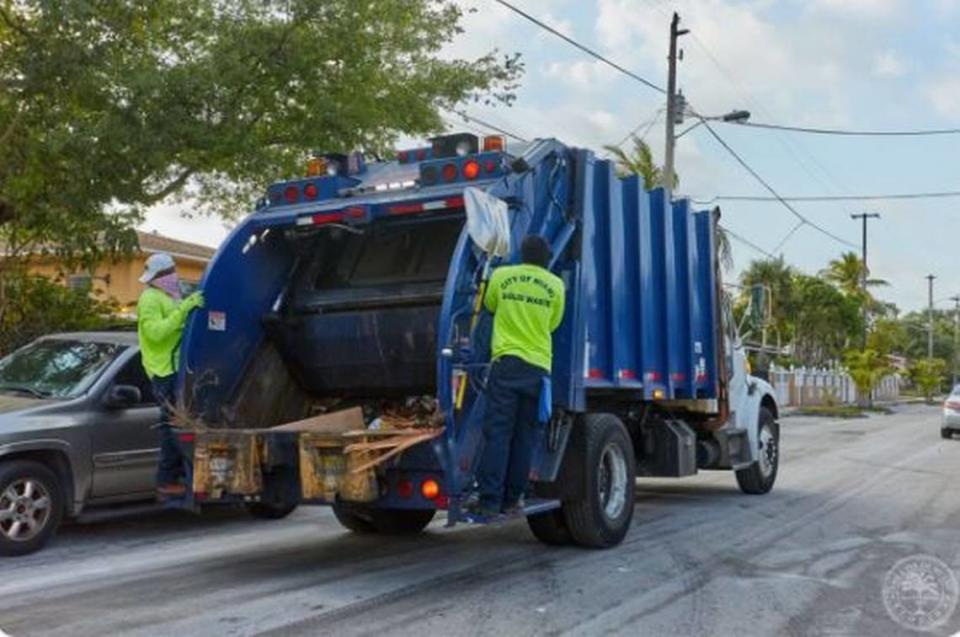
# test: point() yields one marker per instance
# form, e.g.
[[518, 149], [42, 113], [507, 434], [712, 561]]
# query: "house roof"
[[153, 242]]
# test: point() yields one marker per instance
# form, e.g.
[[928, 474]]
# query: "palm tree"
[[847, 273], [640, 162]]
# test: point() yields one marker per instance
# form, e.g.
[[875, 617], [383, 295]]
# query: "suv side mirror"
[[122, 396]]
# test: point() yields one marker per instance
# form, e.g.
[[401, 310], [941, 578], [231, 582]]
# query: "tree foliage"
[[927, 375], [867, 368], [109, 107], [123, 103], [825, 321], [39, 306]]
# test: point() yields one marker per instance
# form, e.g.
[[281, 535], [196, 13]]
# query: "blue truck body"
[[364, 285]]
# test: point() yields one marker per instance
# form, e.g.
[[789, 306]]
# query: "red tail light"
[[952, 404], [188, 437], [421, 154], [449, 172], [471, 170], [310, 191], [430, 489], [402, 156], [291, 194]]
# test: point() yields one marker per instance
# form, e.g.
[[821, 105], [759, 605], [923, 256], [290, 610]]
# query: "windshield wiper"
[[27, 389]]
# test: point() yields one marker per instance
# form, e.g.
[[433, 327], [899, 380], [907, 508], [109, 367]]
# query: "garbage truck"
[[348, 301]]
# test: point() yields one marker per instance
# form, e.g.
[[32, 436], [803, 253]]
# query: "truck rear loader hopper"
[[358, 288]]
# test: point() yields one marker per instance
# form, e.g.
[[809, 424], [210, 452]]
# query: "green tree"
[[825, 321], [777, 278], [847, 272], [109, 107], [927, 375], [867, 368], [40, 306], [888, 336], [640, 162]]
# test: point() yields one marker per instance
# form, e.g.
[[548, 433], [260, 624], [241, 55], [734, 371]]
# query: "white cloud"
[[889, 64], [857, 8], [944, 94], [581, 74]]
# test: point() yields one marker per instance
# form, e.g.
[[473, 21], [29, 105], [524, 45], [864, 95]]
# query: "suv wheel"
[[31, 506]]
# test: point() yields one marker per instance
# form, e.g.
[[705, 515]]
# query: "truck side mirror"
[[122, 397]]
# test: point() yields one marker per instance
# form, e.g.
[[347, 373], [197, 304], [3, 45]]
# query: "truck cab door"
[[125, 446], [736, 368]]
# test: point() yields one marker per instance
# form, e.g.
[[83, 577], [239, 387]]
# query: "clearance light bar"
[[413, 208], [354, 213]]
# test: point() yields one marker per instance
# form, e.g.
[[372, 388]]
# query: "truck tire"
[[365, 520], [550, 528], [31, 506], [759, 477], [946, 434], [602, 518], [270, 510], [352, 520]]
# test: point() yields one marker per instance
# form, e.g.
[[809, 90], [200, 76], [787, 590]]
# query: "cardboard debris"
[[337, 422]]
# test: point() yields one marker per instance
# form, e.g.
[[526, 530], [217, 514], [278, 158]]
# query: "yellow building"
[[118, 280]]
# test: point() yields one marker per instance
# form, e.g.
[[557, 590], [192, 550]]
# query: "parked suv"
[[76, 412]]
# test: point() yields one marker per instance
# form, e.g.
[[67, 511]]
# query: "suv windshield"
[[56, 368]]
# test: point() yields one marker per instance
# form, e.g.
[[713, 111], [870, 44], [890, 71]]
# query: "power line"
[[479, 121], [646, 131], [582, 47], [888, 196], [787, 236], [783, 140], [769, 188], [747, 242], [852, 133]]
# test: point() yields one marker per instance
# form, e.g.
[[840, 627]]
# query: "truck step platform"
[[531, 507]]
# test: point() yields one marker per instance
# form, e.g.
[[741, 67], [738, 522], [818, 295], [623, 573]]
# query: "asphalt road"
[[853, 498]]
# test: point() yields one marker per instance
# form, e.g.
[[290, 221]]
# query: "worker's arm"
[[558, 303], [492, 296], [157, 327]]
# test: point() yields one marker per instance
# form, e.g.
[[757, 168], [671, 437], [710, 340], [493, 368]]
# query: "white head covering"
[[156, 263]]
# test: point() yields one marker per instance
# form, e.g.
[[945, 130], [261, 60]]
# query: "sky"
[[851, 64]]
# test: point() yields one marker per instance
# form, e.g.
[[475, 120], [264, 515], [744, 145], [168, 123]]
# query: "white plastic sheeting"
[[487, 222]]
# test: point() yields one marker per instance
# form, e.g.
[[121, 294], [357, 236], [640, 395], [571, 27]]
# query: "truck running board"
[[531, 507]]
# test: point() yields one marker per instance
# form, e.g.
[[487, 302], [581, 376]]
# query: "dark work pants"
[[510, 431], [170, 466]]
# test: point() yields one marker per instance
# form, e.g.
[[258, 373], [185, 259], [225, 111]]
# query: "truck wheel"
[[270, 510], [604, 449], [759, 477], [401, 521], [550, 528], [946, 434], [365, 520], [353, 519], [31, 506]]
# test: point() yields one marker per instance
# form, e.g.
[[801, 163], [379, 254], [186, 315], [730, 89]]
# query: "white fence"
[[799, 386]]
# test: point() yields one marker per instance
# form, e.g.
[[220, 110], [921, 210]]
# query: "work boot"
[[515, 508], [471, 506], [174, 489]]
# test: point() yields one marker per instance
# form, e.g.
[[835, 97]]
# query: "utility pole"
[[956, 336], [930, 279], [672, 114], [863, 274]]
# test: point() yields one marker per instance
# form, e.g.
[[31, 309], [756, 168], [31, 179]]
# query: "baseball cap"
[[156, 263]]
